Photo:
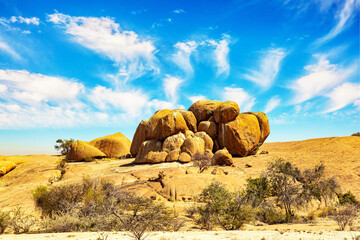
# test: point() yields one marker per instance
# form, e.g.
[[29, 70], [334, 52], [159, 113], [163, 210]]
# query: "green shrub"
[[270, 215], [347, 198], [257, 190], [228, 210], [63, 145]]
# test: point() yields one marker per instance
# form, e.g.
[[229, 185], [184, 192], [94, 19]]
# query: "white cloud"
[[7, 49], [182, 56], [268, 69], [102, 35], [178, 11], [171, 86], [322, 77], [343, 16], [343, 95], [221, 54], [238, 95], [20, 19], [129, 102], [196, 98], [31, 88], [272, 104]]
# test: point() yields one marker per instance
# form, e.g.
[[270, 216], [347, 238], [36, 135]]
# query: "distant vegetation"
[[357, 134], [63, 145]]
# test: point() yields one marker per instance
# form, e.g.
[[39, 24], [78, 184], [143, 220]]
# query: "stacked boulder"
[[207, 126], [112, 146]]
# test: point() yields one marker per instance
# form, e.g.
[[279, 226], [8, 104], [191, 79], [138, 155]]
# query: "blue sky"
[[85, 69]]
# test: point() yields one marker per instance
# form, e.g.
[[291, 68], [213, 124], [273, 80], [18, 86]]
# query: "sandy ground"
[[228, 235]]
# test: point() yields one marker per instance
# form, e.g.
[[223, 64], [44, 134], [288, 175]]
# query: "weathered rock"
[[193, 145], [141, 134], [216, 145], [189, 133], [240, 136], [114, 146], [218, 171], [155, 157], [173, 156], [173, 142], [145, 148], [226, 112], [80, 150], [189, 119], [165, 123], [203, 109], [6, 166], [209, 127], [208, 154], [207, 139], [184, 157], [264, 125], [222, 157]]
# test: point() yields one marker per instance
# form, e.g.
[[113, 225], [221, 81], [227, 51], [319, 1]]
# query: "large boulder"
[[240, 136], [155, 157], [226, 112], [193, 145], [173, 142], [80, 150], [6, 166], [165, 123], [207, 139], [222, 157], [189, 119], [264, 125], [146, 147], [114, 146], [184, 157], [141, 134], [204, 109], [209, 127], [173, 155]]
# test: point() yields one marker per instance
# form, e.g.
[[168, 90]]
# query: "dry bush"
[[4, 221], [201, 161], [20, 222], [345, 215]]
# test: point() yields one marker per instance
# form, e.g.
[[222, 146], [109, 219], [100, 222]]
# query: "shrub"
[[63, 145], [20, 222], [201, 161], [347, 198], [268, 214], [229, 210], [57, 199], [257, 190], [357, 134], [4, 221], [345, 215]]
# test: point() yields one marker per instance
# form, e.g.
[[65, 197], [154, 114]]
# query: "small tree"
[[344, 215], [63, 145], [357, 134], [201, 161], [347, 198], [257, 190]]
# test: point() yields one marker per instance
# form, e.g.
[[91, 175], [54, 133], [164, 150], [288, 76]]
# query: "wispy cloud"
[[4, 47], [273, 103], [182, 56], [221, 54], [196, 98], [20, 19], [238, 95], [171, 86], [343, 95], [268, 68], [321, 77], [133, 55], [178, 11], [343, 17]]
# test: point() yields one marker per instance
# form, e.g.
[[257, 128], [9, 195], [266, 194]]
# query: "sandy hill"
[[182, 182]]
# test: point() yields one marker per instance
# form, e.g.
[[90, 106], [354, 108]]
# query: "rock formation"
[[6, 166], [207, 126], [111, 146]]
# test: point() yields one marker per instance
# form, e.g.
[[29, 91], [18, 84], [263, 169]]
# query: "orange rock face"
[[264, 125], [226, 112], [146, 147], [140, 136], [240, 136], [222, 157], [80, 150], [165, 123], [209, 127], [189, 119], [204, 109], [114, 146]]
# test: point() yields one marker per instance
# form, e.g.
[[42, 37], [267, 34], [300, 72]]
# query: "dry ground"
[[341, 156]]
